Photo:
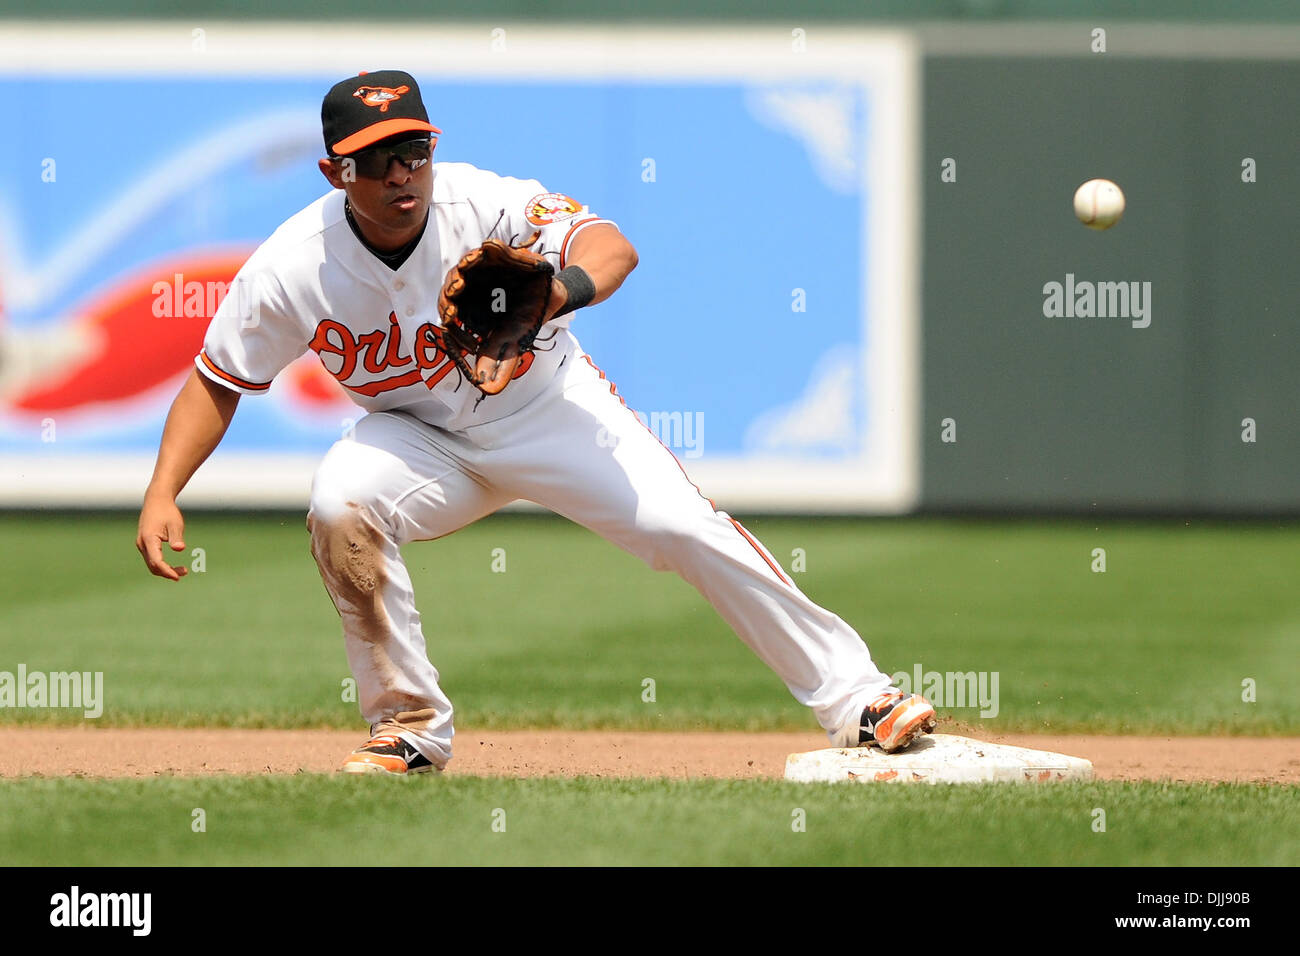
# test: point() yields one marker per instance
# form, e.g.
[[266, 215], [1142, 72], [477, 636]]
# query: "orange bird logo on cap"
[[380, 96]]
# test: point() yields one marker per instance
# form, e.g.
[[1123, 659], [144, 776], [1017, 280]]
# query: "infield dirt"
[[145, 752]]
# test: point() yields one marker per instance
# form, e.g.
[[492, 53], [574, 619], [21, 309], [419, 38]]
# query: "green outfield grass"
[[324, 820], [1160, 642]]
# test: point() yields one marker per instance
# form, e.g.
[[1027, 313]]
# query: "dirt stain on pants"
[[349, 551]]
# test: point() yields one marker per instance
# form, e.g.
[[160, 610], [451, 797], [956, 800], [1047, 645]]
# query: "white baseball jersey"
[[313, 285], [573, 447]]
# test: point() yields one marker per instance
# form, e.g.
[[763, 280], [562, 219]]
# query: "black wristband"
[[579, 286]]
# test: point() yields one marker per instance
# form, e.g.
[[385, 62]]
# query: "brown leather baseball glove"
[[492, 306]]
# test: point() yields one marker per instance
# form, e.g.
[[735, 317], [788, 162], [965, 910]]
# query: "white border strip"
[[525, 50]]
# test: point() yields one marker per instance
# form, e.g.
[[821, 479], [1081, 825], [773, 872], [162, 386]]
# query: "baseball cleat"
[[389, 754], [894, 719]]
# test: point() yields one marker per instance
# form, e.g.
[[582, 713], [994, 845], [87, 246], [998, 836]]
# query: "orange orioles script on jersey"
[[381, 350], [380, 96]]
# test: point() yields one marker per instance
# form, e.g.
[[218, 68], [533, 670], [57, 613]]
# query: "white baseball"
[[1099, 203]]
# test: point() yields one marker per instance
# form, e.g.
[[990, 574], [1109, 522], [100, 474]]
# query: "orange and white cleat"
[[389, 754], [894, 719]]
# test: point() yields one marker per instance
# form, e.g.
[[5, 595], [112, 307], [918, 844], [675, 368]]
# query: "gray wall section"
[[1091, 413]]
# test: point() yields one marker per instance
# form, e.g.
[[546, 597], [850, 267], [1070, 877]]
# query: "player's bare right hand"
[[161, 521]]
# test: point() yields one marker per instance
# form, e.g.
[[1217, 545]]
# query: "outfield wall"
[[863, 222]]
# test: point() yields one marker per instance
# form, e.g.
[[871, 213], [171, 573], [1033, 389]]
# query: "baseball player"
[[363, 277]]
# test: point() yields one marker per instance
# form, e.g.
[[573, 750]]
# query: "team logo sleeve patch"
[[544, 209]]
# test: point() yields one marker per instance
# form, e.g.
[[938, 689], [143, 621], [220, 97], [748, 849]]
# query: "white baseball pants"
[[579, 451]]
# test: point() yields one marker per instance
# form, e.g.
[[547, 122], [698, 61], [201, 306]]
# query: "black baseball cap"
[[363, 109]]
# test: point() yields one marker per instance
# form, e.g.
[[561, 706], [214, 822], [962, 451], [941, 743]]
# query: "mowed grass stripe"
[[1162, 642], [332, 820]]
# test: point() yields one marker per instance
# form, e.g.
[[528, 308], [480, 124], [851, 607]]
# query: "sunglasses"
[[374, 163]]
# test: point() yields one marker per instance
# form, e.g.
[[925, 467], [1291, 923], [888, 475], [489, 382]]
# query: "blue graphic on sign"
[[745, 202]]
